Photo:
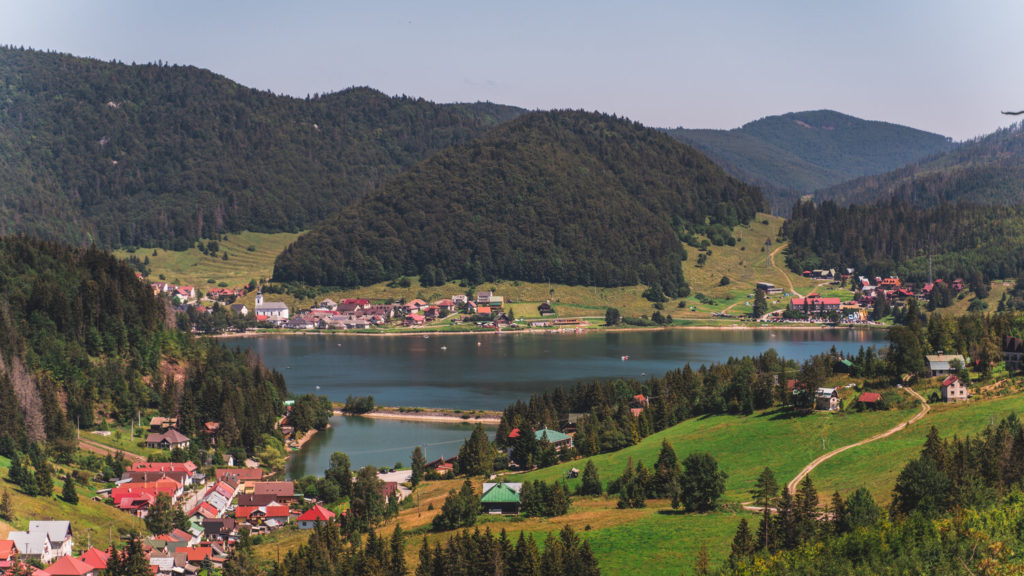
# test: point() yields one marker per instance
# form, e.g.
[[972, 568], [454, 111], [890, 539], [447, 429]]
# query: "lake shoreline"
[[751, 326], [421, 414]]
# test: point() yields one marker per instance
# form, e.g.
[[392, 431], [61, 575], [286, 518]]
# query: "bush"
[[725, 281]]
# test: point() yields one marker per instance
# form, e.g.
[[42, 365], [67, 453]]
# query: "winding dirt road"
[[103, 450], [791, 487]]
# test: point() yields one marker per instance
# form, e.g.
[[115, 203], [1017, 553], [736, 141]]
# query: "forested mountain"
[[897, 237], [986, 170], [163, 155], [800, 152], [567, 197], [81, 335]]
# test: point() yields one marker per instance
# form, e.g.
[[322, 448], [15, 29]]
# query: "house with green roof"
[[557, 439], [501, 497]]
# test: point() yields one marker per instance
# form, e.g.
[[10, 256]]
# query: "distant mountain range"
[[163, 155], [801, 152], [566, 197]]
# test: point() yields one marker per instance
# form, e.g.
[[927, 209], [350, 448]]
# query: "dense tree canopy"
[[567, 197], [164, 155]]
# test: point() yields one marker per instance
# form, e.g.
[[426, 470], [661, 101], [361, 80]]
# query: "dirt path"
[[771, 260], [102, 450], [791, 487]]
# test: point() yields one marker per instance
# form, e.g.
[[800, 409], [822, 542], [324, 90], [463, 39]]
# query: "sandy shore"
[[295, 445], [431, 416]]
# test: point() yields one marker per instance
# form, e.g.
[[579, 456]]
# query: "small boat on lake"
[[624, 358]]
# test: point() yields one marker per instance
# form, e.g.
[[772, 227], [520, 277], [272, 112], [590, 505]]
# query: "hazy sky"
[[947, 66]]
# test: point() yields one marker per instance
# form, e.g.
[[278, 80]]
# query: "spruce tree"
[[591, 482], [69, 494], [702, 565], [6, 507], [44, 478], [419, 466], [743, 545]]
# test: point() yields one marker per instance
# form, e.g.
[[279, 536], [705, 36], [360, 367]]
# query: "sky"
[[946, 66]]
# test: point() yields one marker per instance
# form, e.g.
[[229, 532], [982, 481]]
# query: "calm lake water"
[[490, 371]]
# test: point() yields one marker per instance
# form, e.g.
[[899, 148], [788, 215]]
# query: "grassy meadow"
[[250, 256], [91, 521]]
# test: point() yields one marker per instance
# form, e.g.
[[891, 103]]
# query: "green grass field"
[[91, 521], [194, 268], [876, 465], [743, 446]]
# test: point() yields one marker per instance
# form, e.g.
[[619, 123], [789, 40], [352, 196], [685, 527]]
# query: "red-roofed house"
[[6, 550], [870, 399], [279, 513], [182, 473], [813, 305], [310, 518], [415, 320], [95, 557], [70, 566], [953, 390], [243, 474]]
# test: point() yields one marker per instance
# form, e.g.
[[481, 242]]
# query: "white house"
[[274, 311], [45, 540], [953, 390], [826, 399]]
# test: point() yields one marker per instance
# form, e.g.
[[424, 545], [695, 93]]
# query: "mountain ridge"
[[124, 155], [565, 196], [796, 153]]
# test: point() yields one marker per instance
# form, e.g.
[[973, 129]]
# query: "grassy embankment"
[[193, 268], [92, 521]]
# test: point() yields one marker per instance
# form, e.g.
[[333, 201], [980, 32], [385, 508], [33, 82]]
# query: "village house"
[[218, 528], [1013, 352], [826, 399], [545, 309], [768, 288], [953, 390], [814, 305], [460, 299], [329, 304], [70, 566], [184, 472], [167, 440], [414, 306], [442, 466], [315, 515], [162, 424], [446, 305], [242, 474], [283, 492], [870, 399], [44, 541], [942, 364], [412, 320], [557, 439], [501, 497], [276, 312], [95, 557], [240, 309]]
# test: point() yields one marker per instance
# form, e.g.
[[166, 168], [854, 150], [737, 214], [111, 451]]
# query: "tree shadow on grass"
[[784, 413]]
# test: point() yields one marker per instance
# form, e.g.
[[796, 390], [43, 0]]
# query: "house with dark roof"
[[167, 440], [218, 528], [1013, 352], [501, 497]]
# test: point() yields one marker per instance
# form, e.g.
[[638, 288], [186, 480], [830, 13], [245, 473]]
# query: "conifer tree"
[[44, 478], [419, 466], [69, 494], [6, 507], [743, 545], [702, 565], [591, 481]]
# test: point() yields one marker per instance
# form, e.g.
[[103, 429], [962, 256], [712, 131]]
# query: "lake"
[[491, 371]]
